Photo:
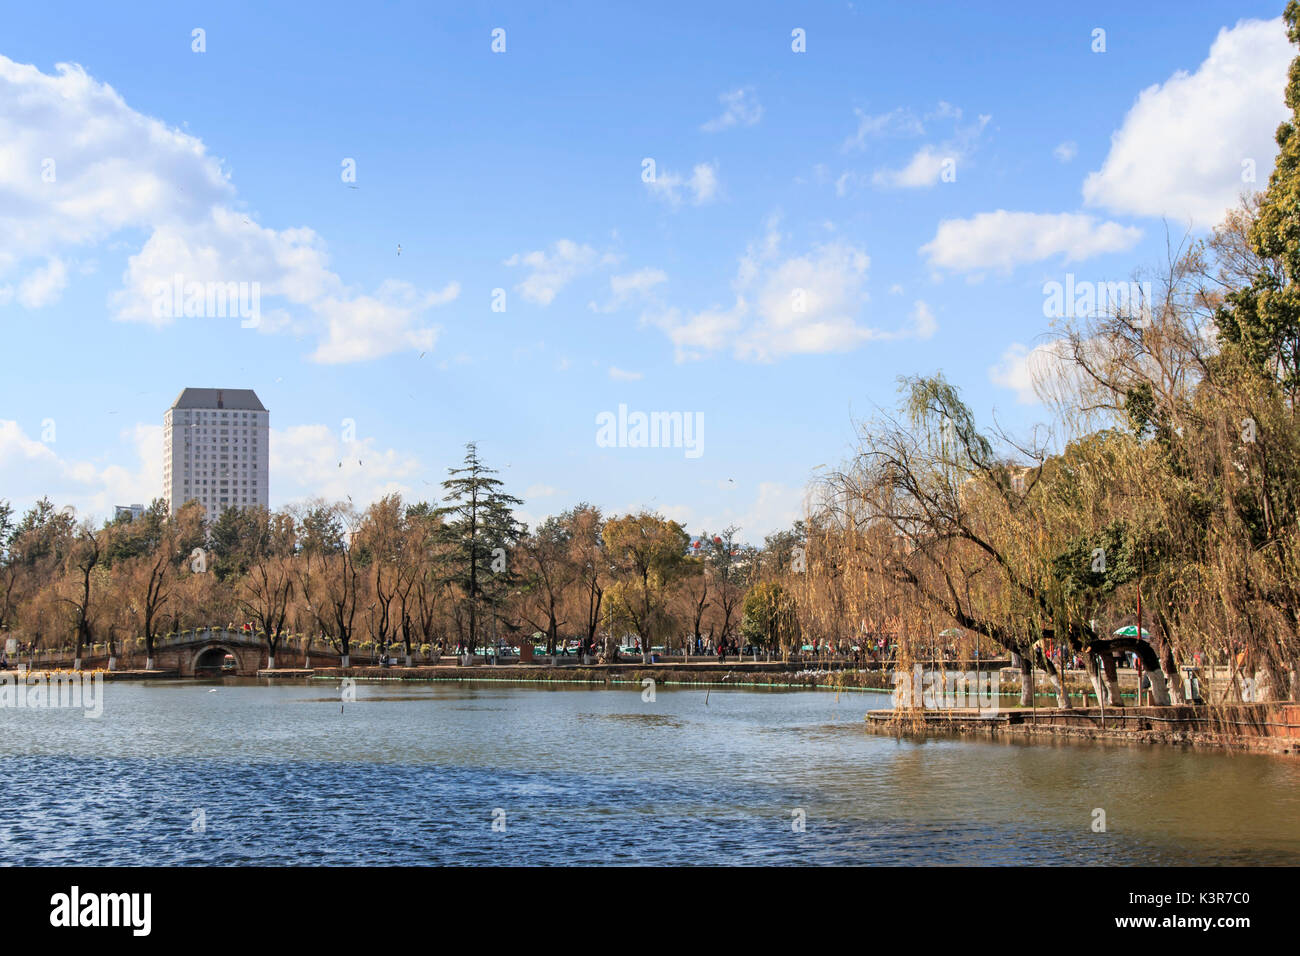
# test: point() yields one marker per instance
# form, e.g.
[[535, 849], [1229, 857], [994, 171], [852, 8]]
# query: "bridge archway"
[[208, 660]]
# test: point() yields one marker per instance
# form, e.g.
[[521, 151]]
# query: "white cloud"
[[640, 281], [45, 285], [924, 169], [898, 122], [1026, 371], [944, 110], [699, 333], [932, 162], [847, 182], [368, 327], [785, 305], [225, 246], [807, 303], [1003, 240], [740, 108], [630, 287], [78, 166], [774, 506], [308, 461], [30, 469], [702, 185], [924, 324], [550, 271], [928, 163], [621, 375], [1065, 152], [1181, 148]]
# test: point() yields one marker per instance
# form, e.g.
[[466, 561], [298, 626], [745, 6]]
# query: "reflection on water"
[[644, 720], [288, 774]]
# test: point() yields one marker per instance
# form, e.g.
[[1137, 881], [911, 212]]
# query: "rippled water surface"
[[413, 773]]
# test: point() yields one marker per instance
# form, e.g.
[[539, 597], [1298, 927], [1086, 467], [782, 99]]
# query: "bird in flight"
[[399, 248]]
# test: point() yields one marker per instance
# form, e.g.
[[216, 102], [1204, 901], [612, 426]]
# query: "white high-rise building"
[[215, 450]]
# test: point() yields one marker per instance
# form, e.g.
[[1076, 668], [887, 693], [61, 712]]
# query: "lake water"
[[416, 773]]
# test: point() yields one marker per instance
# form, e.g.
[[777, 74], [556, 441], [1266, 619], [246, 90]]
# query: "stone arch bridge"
[[202, 652]]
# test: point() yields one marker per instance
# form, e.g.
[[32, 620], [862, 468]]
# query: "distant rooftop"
[[239, 399]]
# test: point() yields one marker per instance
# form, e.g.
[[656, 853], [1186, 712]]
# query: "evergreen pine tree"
[[479, 528]]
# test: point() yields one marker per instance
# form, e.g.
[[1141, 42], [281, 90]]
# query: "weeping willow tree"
[[926, 527], [934, 522]]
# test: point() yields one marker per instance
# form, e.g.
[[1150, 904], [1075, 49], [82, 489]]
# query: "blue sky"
[[778, 174]]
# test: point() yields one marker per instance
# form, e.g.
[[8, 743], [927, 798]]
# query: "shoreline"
[[791, 675], [1268, 728]]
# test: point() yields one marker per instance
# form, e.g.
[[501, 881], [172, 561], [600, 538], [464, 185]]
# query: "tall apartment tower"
[[215, 450]]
